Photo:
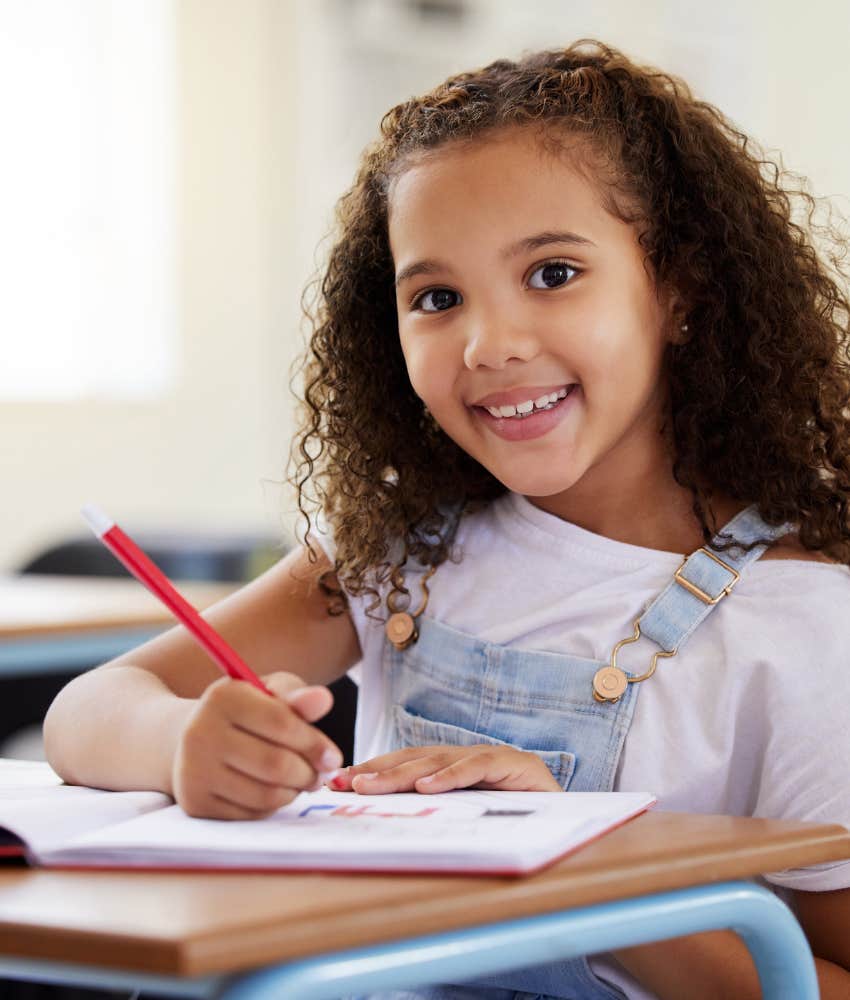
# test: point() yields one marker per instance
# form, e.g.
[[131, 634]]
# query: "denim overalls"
[[453, 688]]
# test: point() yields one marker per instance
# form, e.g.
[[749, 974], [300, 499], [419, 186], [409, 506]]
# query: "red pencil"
[[148, 573]]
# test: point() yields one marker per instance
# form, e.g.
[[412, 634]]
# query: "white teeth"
[[521, 409]]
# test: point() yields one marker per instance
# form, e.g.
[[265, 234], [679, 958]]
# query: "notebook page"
[[27, 774], [461, 830], [45, 813]]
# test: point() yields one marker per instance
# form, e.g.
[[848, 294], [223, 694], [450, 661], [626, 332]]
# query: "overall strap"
[[704, 579]]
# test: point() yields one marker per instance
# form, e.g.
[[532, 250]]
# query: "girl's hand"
[[243, 755], [442, 768]]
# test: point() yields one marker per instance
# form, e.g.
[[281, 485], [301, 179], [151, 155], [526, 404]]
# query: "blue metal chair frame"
[[776, 942]]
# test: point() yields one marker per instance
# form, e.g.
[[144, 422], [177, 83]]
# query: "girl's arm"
[[825, 917], [119, 726], [717, 965]]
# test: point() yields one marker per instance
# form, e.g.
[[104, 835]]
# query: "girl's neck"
[[657, 515]]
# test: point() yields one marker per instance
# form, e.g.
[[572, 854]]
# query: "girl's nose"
[[492, 344]]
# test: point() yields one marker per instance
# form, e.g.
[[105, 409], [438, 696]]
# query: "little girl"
[[577, 380]]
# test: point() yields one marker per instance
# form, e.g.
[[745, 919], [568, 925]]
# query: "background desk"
[[81, 620], [198, 933], [53, 627]]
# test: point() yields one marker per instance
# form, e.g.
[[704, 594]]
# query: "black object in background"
[[235, 558]]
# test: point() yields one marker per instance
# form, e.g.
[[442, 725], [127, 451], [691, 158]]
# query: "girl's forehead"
[[485, 165], [506, 183]]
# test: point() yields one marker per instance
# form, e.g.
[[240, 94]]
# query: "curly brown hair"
[[758, 393]]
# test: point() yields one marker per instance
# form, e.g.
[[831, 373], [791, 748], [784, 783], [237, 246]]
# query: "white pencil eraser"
[[96, 519]]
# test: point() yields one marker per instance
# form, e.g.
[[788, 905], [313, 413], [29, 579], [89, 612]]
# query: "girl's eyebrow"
[[524, 245]]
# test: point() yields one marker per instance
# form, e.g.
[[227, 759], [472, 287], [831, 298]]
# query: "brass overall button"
[[609, 683], [401, 630]]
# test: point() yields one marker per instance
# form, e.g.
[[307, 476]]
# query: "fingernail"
[[330, 760], [366, 777], [425, 780], [338, 783], [328, 777]]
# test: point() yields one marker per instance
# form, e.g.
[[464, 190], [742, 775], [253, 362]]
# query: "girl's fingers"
[[344, 777], [255, 798], [443, 768], [276, 721], [388, 760], [266, 762], [468, 772], [221, 808], [495, 770], [402, 777], [311, 702], [434, 773]]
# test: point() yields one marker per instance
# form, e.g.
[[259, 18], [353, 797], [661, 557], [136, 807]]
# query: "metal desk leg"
[[776, 941]]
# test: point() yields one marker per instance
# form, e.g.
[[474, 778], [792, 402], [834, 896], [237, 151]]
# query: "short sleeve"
[[806, 768], [320, 532]]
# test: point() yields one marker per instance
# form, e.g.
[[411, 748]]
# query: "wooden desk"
[[81, 620], [209, 925]]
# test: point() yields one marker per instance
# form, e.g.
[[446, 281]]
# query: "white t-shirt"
[[725, 726]]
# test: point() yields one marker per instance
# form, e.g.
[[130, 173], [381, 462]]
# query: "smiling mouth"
[[530, 407]]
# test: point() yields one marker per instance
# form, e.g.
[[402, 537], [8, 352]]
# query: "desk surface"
[[34, 605], [198, 923]]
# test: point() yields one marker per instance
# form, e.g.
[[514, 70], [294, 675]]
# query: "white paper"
[[452, 831], [36, 807]]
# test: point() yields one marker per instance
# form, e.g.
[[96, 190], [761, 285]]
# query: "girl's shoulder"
[[802, 596], [790, 547]]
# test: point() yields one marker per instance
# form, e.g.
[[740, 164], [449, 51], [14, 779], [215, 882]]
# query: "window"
[[88, 305]]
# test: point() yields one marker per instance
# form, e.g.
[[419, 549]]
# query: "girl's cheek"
[[417, 369], [427, 377]]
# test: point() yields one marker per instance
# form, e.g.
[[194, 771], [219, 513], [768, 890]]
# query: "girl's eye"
[[440, 299], [552, 275]]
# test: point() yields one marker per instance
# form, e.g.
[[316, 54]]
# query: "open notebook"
[[60, 825]]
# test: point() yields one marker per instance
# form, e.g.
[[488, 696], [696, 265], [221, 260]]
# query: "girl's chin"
[[534, 487], [543, 494]]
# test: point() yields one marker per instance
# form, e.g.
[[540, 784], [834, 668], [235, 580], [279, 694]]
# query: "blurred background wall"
[[198, 146]]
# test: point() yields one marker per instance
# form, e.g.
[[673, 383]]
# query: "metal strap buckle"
[[610, 683], [695, 590]]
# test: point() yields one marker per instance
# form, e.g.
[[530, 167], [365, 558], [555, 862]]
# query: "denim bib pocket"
[[411, 730]]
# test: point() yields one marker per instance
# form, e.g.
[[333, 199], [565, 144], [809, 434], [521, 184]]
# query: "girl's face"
[[530, 327]]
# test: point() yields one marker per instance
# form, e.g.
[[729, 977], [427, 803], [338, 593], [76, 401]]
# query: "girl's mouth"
[[525, 423]]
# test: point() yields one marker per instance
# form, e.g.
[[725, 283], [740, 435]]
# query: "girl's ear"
[[680, 332], [677, 319]]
